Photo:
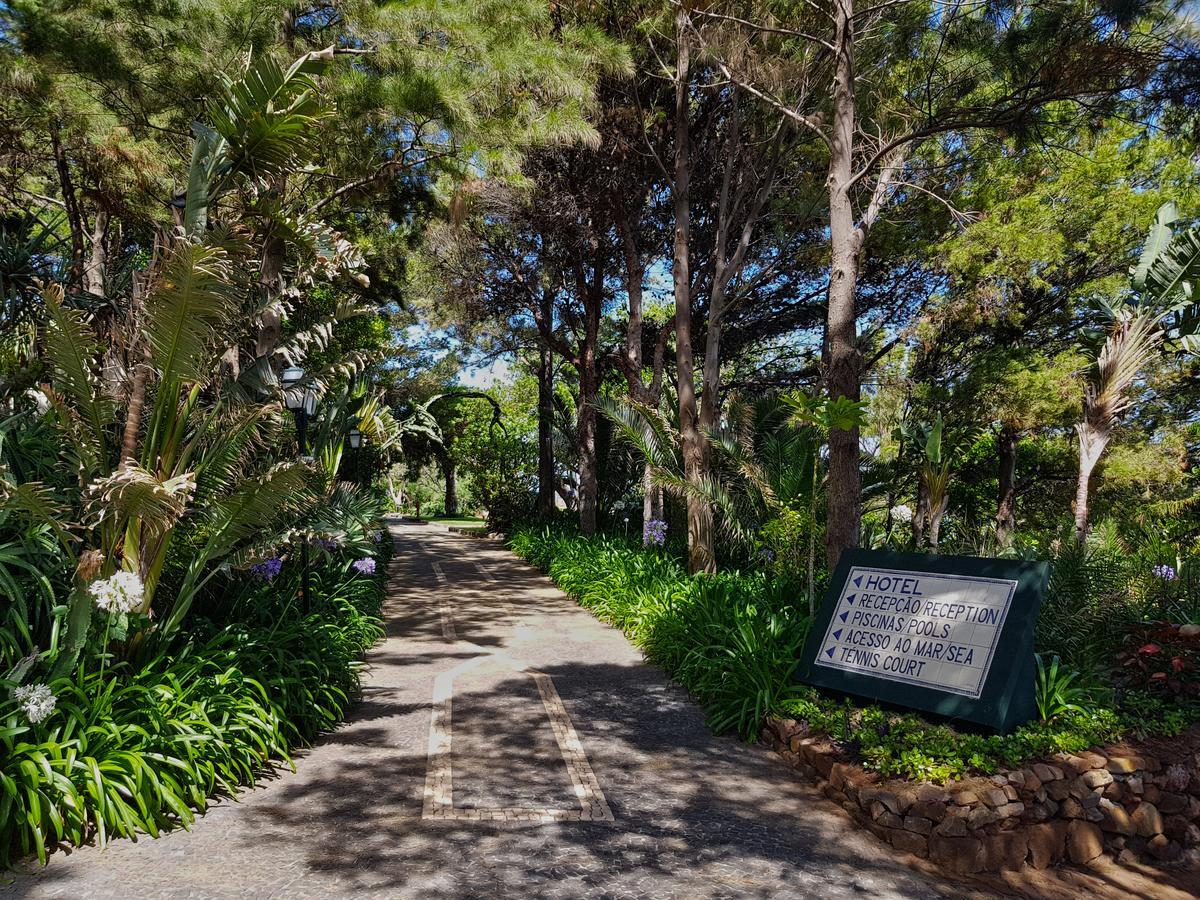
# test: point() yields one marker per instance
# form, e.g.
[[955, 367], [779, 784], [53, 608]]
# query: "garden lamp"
[[356, 438], [302, 403]]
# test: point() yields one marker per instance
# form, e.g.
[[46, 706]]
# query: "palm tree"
[[933, 480], [192, 445], [1133, 341], [765, 460], [1165, 278]]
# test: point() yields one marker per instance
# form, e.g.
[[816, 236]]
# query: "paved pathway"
[[508, 746]]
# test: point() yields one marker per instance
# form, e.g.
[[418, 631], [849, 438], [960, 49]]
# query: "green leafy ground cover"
[[731, 640], [143, 748]]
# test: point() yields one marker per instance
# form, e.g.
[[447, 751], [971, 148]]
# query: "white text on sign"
[[932, 630]]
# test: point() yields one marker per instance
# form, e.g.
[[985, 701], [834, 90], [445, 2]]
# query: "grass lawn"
[[472, 522]]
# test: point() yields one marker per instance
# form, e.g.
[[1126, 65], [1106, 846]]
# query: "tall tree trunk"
[[699, 515], [635, 272], [710, 380], [135, 356], [450, 472], [1092, 443], [1006, 496], [97, 259], [843, 367], [133, 414], [545, 497], [588, 470], [270, 279], [936, 513], [70, 201], [921, 516], [589, 386]]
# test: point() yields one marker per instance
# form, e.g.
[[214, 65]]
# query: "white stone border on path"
[[438, 801]]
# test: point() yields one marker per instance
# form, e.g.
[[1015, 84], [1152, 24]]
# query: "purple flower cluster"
[[768, 554], [654, 532], [268, 568], [326, 543], [1165, 572], [364, 566]]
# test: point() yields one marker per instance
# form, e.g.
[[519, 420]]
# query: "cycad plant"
[[735, 488]]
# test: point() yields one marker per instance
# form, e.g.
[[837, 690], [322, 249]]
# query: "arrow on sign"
[[843, 615], [837, 635], [850, 599], [829, 652], [858, 581]]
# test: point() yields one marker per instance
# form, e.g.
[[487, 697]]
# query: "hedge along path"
[[690, 815]]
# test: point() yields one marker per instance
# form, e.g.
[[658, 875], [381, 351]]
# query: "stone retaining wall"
[[1070, 807]]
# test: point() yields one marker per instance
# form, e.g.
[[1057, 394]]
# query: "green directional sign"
[[951, 635]]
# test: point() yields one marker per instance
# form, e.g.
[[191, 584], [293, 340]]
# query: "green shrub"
[[129, 750], [1054, 689], [732, 640], [906, 745]]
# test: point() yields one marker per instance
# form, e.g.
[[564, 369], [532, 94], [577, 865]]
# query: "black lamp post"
[[356, 442], [302, 401]]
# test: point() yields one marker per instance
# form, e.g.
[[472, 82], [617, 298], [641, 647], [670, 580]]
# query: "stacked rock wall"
[[1071, 807]]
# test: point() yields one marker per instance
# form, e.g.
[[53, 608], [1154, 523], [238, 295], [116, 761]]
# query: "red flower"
[[1177, 664], [1149, 648], [1159, 676]]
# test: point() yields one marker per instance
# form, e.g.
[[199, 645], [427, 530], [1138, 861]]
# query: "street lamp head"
[[356, 438], [294, 399]]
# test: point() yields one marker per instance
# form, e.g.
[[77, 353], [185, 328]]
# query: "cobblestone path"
[[508, 746]]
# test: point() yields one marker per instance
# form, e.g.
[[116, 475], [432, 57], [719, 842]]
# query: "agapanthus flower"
[[268, 568], [364, 566], [35, 701], [377, 536], [326, 543], [1165, 572], [768, 554], [902, 513], [654, 532], [121, 593]]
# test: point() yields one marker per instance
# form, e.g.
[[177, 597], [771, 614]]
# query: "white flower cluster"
[[902, 513], [35, 701], [121, 593]]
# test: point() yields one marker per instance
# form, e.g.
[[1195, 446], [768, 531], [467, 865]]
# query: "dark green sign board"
[[951, 635]]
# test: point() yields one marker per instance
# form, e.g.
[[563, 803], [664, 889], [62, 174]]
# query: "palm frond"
[[72, 350], [348, 515], [736, 519], [132, 493], [234, 438], [36, 504], [267, 117], [1134, 340], [189, 301], [1157, 241], [258, 504], [645, 428]]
